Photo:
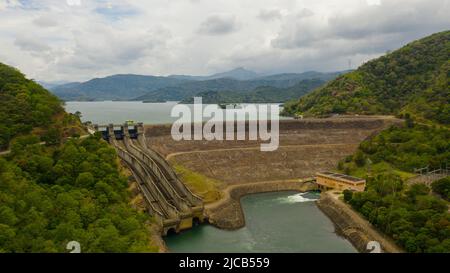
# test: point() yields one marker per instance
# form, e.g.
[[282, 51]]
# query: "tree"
[[52, 136], [417, 190], [85, 180], [409, 122], [442, 187], [78, 115], [348, 194], [359, 158]]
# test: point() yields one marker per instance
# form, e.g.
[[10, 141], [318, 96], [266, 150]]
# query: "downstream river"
[[275, 222]]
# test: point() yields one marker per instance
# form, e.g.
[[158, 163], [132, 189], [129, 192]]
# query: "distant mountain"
[[117, 87], [176, 88], [413, 80], [188, 90], [68, 85], [262, 94], [304, 76], [48, 85], [236, 74]]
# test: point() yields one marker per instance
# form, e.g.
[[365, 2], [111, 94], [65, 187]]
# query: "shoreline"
[[158, 240], [352, 226], [227, 213]]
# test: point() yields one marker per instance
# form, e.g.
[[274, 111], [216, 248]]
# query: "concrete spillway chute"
[[169, 200]]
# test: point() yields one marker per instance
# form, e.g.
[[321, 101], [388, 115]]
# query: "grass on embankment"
[[207, 188], [381, 167]]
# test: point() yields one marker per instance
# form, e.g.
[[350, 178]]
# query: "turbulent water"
[[275, 222]]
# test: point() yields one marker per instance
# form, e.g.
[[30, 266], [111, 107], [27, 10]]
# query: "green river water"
[[282, 222]]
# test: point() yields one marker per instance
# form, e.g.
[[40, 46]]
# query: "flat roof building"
[[336, 181]]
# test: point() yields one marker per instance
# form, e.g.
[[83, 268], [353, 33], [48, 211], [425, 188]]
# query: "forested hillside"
[[25, 105], [417, 220], [222, 86], [263, 94], [413, 84], [66, 190], [413, 79]]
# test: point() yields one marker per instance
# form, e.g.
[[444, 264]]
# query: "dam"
[[238, 167], [241, 180], [168, 200]]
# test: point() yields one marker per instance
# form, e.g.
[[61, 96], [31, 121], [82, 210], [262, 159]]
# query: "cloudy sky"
[[72, 40]]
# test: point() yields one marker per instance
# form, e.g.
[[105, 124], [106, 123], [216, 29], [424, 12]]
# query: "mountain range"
[[239, 73], [178, 87], [262, 94]]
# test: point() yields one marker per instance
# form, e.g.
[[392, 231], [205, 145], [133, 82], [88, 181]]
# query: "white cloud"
[[78, 40], [73, 2], [30, 43], [270, 14], [218, 24], [374, 2], [45, 21]]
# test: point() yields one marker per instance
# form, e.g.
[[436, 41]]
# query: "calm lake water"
[[105, 112], [283, 222]]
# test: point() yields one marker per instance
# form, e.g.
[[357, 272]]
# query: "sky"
[[76, 40]]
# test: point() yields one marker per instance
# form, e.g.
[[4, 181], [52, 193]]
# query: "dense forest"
[[442, 187], [404, 148], [415, 215], [416, 220], [69, 189], [413, 79], [24, 106]]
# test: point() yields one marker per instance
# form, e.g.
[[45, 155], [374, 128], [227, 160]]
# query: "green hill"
[[26, 106], [413, 79], [263, 94], [116, 87], [66, 190], [412, 83]]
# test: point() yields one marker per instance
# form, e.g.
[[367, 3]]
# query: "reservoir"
[[282, 222], [117, 112]]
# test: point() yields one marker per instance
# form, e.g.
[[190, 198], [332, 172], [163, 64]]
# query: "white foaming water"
[[296, 198]]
